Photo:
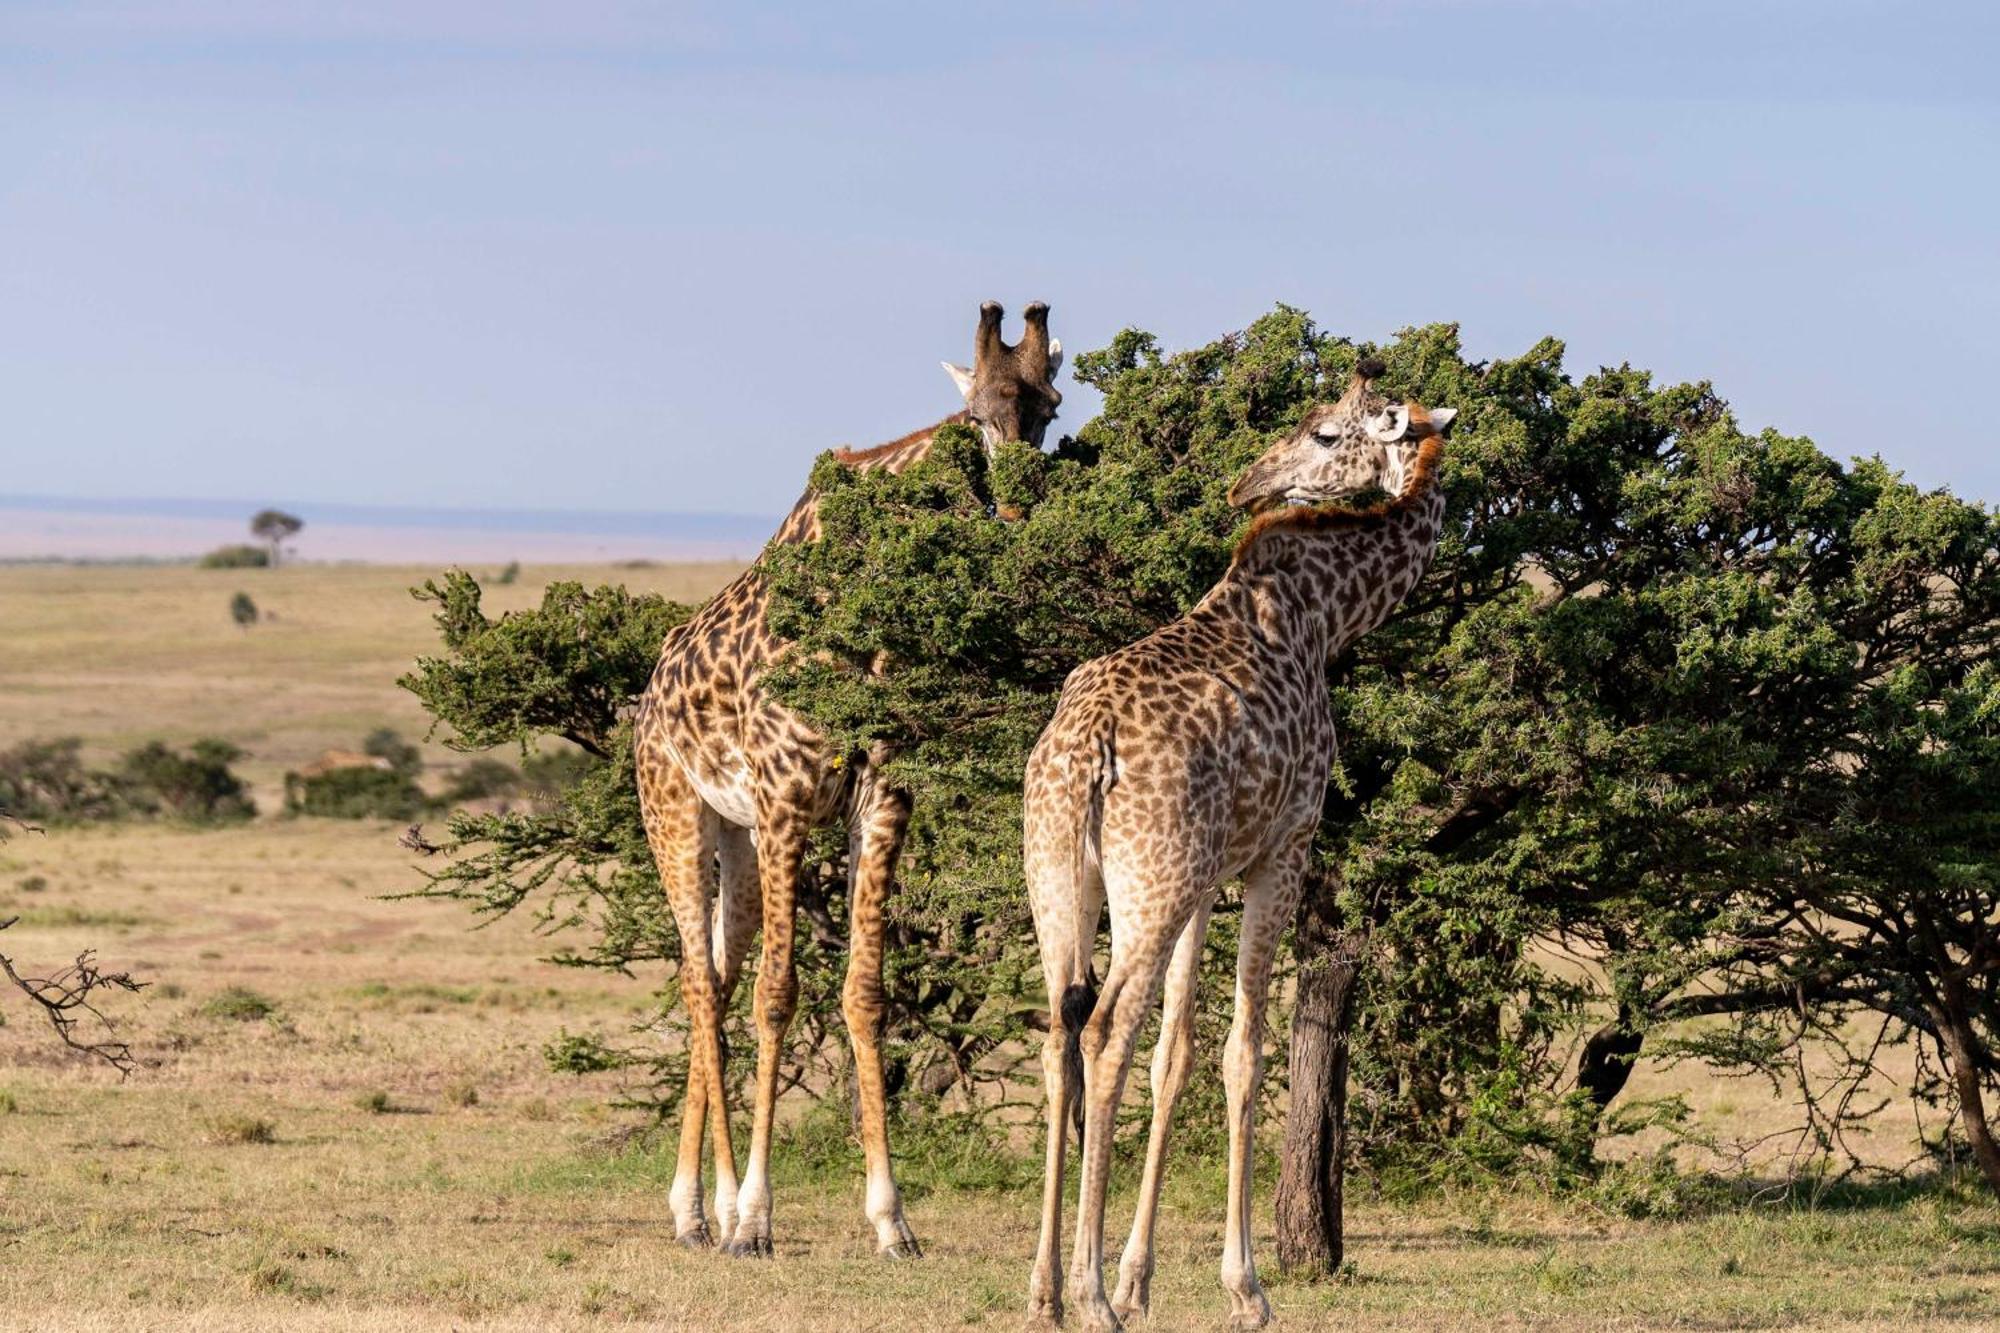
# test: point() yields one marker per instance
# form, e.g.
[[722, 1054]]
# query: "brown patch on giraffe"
[[864, 457]]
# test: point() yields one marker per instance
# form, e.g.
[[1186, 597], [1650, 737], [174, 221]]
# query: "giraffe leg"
[[1270, 893], [1130, 985], [681, 831], [1173, 1060], [781, 840], [735, 927], [877, 824], [1067, 903]]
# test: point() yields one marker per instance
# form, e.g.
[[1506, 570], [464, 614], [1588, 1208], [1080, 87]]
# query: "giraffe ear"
[[1441, 419], [1055, 358], [961, 377], [1392, 425]]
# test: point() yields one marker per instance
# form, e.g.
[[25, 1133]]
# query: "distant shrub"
[[241, 1129], [462, 1094], [239, 556], [243, 610], [511, 573], [8, 1106], [196, 786], [483, 778], [579, 1053], [404, 758], [45, 782], [356, 793], [375, 1102], [239, 1004]]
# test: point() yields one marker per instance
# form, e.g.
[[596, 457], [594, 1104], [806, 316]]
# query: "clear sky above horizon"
[[628, 256]]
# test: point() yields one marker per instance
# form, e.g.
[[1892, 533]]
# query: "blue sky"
[[658, 256]]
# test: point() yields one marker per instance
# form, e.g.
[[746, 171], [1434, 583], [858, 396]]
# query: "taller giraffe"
[[1200, 753], [731, 783]]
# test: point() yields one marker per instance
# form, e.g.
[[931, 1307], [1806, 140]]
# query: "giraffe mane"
[[1335, 518], [854, 457]]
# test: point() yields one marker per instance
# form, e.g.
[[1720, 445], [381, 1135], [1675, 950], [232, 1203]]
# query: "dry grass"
[[122, 654], [350, 1124]]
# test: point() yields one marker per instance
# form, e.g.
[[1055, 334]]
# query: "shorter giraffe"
[[1200, 753]]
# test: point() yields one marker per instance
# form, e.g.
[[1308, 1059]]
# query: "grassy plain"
[[346, 1121]]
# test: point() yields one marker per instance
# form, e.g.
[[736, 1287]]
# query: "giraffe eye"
[[1326, 432]]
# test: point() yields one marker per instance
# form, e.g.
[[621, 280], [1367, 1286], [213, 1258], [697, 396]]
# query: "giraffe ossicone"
[[1195, 755]]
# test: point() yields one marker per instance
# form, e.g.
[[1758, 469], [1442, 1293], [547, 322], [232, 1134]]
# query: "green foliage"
[[1621, 711], [242, 556], [579, 1053], [243, 610], [45, 782], [564, 669], [568, 669], [356, 793], [1673, 698], [196, 786]]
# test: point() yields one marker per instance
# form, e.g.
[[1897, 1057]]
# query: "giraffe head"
[[1362, 443], [1011, 391]]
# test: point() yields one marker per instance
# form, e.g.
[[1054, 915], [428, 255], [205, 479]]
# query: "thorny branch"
[[67, 997]]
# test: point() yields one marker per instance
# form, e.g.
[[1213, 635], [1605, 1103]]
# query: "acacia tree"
[[1647, 636], [1655, 703], [275, 527]]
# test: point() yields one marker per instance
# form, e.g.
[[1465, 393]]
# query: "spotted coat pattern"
[[1196, 755], [732, 783]]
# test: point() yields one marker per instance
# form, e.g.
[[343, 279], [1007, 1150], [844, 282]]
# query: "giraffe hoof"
[[1134, 1297], [1251, 1315], [757, 1247], [904, 1249], [1130, 1309], [696, 1239]]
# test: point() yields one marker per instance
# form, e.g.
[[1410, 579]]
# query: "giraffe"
[[731, 784], [1174, 764]]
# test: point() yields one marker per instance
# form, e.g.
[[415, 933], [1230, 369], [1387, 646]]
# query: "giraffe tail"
[[1079, 998], [1079, 1001]]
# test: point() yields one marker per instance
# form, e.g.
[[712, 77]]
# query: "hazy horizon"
[[631, 258], [34, 529]]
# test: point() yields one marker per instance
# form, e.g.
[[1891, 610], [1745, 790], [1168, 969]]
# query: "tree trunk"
[[1961, 1048], [1313, 1157], [1606, 1064]]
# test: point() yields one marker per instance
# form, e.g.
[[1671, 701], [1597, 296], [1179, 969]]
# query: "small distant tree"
[[510, 573], [243, 610], [274, 527]]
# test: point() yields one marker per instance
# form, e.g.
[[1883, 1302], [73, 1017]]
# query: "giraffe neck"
[[1313, 588], [802, 524]]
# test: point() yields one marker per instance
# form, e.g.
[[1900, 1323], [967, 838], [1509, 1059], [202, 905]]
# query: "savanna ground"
[[347, 1120]]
